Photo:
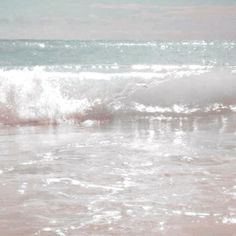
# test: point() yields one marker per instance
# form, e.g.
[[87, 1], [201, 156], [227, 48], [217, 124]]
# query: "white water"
[[60, 94]]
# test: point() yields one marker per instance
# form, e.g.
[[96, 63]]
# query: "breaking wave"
[[57, 94]]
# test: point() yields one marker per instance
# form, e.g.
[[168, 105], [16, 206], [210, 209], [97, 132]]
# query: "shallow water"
[[148, 177]]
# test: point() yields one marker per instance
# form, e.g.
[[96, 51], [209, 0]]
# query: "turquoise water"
[[30, 53]]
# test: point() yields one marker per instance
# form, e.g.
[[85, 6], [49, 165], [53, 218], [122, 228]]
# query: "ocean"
[[117, 138]]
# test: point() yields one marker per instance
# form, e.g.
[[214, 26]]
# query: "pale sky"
[[118, 19]]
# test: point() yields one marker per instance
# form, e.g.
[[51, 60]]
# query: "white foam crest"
[[101, 72], [229, 220], [22, 74], [175, 109], [35, 44], [178, 109], [128, 44], [57, 95], [125, 76], [37, 94], [169, 67], [19, 76]]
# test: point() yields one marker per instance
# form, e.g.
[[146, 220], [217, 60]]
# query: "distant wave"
[[97, 53], [58, 94]]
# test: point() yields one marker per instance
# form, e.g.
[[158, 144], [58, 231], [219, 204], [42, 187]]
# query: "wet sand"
[[143, 177]]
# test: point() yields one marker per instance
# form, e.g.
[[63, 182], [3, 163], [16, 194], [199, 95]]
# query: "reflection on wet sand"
[[144, 177]]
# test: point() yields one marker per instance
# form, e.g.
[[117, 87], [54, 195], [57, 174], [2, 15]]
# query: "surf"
[[53, 95]]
